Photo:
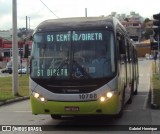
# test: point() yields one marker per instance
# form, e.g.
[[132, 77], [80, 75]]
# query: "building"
[[135, 26], [6, 46], [143, 48], [133, 23], [6, 49]]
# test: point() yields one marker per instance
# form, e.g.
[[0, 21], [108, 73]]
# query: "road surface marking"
[[22, 111]]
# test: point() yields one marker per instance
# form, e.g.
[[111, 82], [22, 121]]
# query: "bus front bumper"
[[108, 107]]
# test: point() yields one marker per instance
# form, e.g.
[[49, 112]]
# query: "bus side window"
[[122, 48], [121, 42]]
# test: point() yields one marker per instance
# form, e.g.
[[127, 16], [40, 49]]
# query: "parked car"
[[149, 56], [22, 71], [6, 70]]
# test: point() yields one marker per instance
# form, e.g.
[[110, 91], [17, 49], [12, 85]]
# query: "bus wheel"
[[131, 95], [58, 117], [130, 100], [135, 92]]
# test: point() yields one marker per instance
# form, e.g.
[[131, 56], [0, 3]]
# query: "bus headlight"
[[36, 95], [42, 99], [102, 99], [39, 97], [109, 94]]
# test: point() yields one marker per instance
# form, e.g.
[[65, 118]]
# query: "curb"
[[152, 104], [14, 100]]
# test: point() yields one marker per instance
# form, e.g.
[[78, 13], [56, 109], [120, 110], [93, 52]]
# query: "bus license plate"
[[71, 108]]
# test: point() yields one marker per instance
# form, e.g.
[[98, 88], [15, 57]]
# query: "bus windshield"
[[73, 55]]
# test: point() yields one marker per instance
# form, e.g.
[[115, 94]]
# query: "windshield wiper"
[[65, 62]]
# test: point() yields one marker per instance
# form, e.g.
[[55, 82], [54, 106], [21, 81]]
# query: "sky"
[[38, 12]]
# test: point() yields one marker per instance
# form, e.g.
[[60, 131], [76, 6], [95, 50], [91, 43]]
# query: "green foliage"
[[6, 87], [126, 19], [147, 20], [22, 31], [155, 85], [156, 88], [147, 33]]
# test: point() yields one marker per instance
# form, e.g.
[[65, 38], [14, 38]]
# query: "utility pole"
[[29, 23], [14, 49], [26, 45], [85, 12], [26, 25]]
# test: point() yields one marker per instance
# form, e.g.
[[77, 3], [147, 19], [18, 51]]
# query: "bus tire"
[[130, 100], [57, 117], [136, 91], [131, 95]]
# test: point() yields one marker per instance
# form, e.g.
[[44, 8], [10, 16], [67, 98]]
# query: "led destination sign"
[[64, 37]]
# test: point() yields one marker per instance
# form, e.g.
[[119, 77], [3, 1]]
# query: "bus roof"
[[81, 23]]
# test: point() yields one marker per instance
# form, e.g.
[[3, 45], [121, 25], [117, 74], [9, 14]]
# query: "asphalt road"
[[137, 113]]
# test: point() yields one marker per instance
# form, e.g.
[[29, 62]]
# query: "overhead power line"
[[48, 8]]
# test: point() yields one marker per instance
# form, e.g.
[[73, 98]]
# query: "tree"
[[126, 19], [21, 32], [147, 20], [147, 29], [147, 33]]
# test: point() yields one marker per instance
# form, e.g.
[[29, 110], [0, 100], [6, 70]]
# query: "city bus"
[[66, 79]]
